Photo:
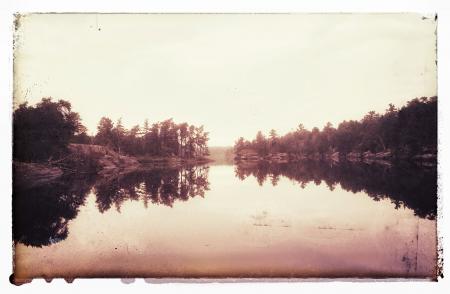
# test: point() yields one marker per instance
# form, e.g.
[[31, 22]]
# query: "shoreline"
[[171, 161], [101, 161], [87, 164], [381, 158]]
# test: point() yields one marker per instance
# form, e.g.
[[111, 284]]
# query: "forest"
[[43, 132], [402, 133]]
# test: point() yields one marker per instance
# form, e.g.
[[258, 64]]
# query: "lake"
[[252, 220]]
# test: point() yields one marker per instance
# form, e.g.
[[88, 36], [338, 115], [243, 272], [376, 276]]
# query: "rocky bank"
[[382, 158], [81, 159]]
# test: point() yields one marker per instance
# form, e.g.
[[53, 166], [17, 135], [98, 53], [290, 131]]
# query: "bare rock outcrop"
[[30, 174], [107, 160]]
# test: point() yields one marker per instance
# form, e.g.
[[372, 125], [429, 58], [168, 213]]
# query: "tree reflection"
[[406, 185], [41, 213], [157, 186]]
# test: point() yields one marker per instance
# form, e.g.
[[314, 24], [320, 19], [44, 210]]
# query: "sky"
[[233, 73]]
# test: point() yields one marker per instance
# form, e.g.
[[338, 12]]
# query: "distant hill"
[[221, 155]]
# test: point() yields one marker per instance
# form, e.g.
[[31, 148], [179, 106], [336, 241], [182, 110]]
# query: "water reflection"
[[141, 224], [405, 185], [157, 186], [41, 213]]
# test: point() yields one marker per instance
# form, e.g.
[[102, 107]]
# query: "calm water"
[[303, 220]]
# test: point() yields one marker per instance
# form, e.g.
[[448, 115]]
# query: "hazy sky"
[[233, 73]]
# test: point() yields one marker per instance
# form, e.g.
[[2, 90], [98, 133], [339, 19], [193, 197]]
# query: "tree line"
[[42, 132], [165, 138], [405, 132]]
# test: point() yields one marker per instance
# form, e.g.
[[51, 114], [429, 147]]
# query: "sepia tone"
[[225, 146]]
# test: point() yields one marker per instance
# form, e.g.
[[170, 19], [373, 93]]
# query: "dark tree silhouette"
[[164, 138], [404, 133], [105, 135], [43, 131]]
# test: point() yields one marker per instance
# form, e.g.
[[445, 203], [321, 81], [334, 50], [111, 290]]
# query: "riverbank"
[[381, 158], [80, 161], [30, 174], [84, 159]]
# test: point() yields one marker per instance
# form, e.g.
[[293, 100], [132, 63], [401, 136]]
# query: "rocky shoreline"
[[382, 158], [102, 159], [31, 174], [83, 160]]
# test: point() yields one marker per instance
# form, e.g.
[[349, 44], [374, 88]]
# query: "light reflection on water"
[[221, 222]]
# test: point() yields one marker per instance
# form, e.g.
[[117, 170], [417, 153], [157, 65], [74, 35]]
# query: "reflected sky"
[[238, 228]]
